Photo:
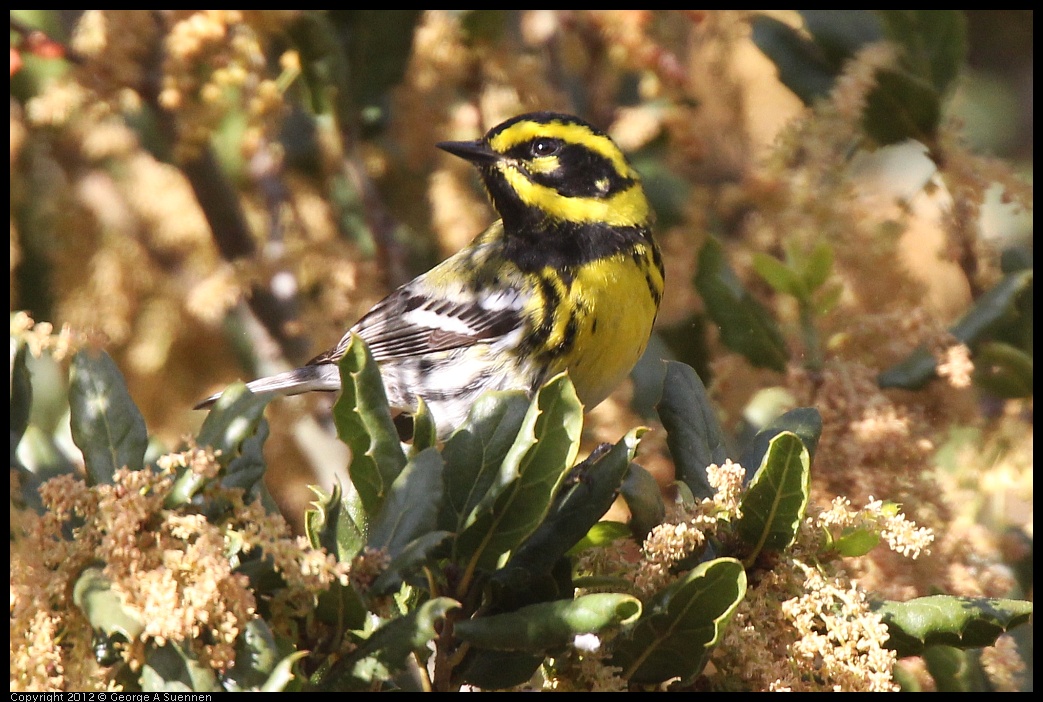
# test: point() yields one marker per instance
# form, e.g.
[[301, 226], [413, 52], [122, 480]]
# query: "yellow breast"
[[614, 304]]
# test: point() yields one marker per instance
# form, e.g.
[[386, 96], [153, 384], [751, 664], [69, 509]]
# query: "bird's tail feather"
[[305, 379]]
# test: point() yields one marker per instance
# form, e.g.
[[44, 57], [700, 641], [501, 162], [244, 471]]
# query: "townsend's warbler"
[[568, 278]]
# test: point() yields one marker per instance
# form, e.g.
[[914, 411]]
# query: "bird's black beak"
[[477, 152]]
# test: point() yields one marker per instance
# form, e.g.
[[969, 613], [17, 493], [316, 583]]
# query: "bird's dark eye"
[[545, 147]]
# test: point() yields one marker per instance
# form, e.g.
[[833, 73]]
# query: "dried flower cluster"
[[173, 571], [214, 61], [40, 337], [582, 668], [901, 535], [797, 628], [827, 638], [686, 531]]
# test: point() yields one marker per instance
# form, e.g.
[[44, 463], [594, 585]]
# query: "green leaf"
[[809, 67], [236, 430], [805, 422], [828, 299], [601, 534], [953, 670], [256, 655], [802, 66], [839, 34], [411, 507], [777, 497], [425, 431], [682, 624], [173, 668], [693, 433], [1003, 370], [246, 469], [1016, 258], [746, 327], [474, 453], [324, 69], [963, 622], [258, 649], [817, 267], [907, 101], [683, 342], [779, 276], [589, 491], [530, 474], [363, 422], [342, 608], [385, 652], [233, 419], [39, 458], [282, 675], [106, 424], [408, 560], [994, 307], [350, 59], [549, 625], [21, 397], [644, 499], [934, 43], [104, 608], [536, 570], [801, 275], [913, 373], [853, 543], [378, 45], [990, 311], [902, 106], [329, 524], [492, 670]]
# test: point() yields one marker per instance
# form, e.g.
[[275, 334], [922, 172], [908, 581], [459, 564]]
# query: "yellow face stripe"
[[543, 164], [569, 133], [627, 208]]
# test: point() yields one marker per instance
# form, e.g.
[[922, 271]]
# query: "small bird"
[[569, 278]]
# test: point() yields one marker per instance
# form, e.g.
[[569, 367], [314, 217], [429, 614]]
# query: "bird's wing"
[[411, 322]]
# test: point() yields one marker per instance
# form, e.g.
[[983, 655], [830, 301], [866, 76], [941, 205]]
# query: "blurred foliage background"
[[213, 195]]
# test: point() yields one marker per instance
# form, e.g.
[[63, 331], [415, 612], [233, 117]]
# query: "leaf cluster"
[[476, 540], [907, 101]]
